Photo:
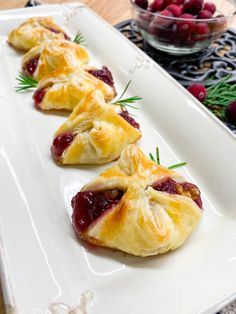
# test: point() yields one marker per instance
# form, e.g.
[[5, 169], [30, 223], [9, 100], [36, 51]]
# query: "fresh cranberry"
[[30, 67], [161, 21], [192, 6], [89, 206], [177, 2], [38, 96], [157, 5], [174, 9], [125, 115], [194, 192], [230, 112], [144, 19], [142, 3], [186, 25], [204, 14], [104, 75], [201, 30], [167, 185], [209, 6], [198, 91], [60, 143]]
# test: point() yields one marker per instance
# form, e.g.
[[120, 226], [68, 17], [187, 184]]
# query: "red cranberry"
[[142, 3], [194, 192], [89, 206], [177, 2], [60, 143], [230, 112], [186, 25], [125, 115], [104, 75], [209, 6], [198, 91], [204, 14], [157, 5], [174, 9], [161, 21], [144, 19], [30, 67], [38, 96], [192, 6], [168, 185], [201, 30]]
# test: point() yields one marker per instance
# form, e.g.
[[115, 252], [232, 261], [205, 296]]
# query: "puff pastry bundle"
[[94, 133], [51, 55], [137, 207], [34, 32], [64, 88]]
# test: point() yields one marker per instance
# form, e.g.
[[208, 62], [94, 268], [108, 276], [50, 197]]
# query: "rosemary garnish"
[[220, 96], [25, 82], [157, 160], [79, 39], [127, 101]]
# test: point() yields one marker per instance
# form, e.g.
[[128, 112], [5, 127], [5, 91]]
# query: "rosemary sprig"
[[79, 39], [157, 160], [219, 96], [127, 101], [25, 82]]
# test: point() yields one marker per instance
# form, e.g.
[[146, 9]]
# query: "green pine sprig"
[[157, 160], [220, 96], [127, 102], [79, 39], [25, 82]]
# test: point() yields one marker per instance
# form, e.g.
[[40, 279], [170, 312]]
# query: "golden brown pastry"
[[64, 88], [137, 207], [94, 133], [51, 55], [34, 32]]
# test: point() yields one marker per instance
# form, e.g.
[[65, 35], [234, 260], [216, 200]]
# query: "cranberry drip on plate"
[[30, 67], [38, 96], [188, 189], [88, 206], [125, 115], [60, 143], [104, 75]]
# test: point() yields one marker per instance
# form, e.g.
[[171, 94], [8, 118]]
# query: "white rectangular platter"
[[43, 267]]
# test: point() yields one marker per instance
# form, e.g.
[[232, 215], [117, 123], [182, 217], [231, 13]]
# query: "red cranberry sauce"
[[104, 75], [56, 31], [187, 189], [60, 143], [38, 96], [125, 115], [30, 67], [88, 206]]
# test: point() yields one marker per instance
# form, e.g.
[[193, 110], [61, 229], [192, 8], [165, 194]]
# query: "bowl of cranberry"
[[182, 27]]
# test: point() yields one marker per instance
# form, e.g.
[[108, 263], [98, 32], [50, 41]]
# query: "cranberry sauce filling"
[[125, 115], [60, 143], [188, 189], [38, 96], [104, 75], [56, 31], [88, 206], [30, 67]]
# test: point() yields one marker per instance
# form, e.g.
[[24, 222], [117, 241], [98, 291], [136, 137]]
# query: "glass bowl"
[[183, 36]]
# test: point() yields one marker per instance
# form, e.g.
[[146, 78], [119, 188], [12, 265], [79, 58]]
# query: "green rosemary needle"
[[25, 82], [79, 39], [157, 160], [127, 102]]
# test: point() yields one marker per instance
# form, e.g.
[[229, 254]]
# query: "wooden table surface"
[[112, 11]]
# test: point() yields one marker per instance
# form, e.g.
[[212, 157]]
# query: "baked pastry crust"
[[54, 54], [145, 221], [35, 31], [99, 132], [64, 88]]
